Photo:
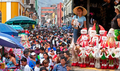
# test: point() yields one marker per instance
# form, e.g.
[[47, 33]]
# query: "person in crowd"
[[45, 64], [5, 58], [69, 67], [32, 45], [12, 62], [62, 65], [26, 55], [33, 60], [46, 56], [41, 53], [43, 69], [46, 50], [16, 56], [67, 55], [57, 56], [52, 53], [116, 20], [26, 66], [37, 50], [38, 44], [37, 66], [51, 47], [78, 21], [41, 44]]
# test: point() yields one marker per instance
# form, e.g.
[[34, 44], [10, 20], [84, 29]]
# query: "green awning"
[[20, 20]]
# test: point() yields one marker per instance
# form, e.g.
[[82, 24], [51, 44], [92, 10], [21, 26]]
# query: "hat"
[[101, 29], [33, 53], [84, 10], [93, 28], [105, 33], [84, 31], [117, 7], [112, 32]]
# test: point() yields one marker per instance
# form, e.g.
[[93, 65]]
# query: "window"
[[0, 17]]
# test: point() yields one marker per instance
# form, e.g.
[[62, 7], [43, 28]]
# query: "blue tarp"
[[4, 28]]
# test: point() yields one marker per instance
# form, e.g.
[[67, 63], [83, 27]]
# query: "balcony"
[[27, 6]]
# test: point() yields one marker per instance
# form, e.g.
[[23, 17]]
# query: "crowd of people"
[[49, 52]]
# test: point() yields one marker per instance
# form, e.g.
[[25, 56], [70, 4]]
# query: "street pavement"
[[91, 69]]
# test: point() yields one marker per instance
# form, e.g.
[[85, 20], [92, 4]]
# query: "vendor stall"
[[24, 40], [8, 41]]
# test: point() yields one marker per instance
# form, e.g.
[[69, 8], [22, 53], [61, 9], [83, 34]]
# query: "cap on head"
[[117, 7], [33, 53]]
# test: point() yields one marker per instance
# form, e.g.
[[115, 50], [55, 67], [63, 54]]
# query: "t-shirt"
[[53, 49], [37, 68], [80, 19], [32, 63], [27, 68], [115, 23]]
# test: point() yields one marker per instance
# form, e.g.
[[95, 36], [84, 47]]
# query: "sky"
[[47, 3]]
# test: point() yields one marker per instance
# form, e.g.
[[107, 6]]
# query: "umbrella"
[[4, 28], [20, 20], [9, 41], [16, 27]]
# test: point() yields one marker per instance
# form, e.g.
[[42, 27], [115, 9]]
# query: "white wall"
[[8, 10]]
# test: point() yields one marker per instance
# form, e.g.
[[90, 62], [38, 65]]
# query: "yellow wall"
[[3, 10], [14, 9]]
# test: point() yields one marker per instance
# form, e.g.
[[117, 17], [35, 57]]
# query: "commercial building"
[[67, 8], [11, 8], [46, 13], [59, 14]]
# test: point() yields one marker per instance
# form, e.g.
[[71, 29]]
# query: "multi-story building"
[[11, 8], [46, 13], [59, 14], [67, 8]]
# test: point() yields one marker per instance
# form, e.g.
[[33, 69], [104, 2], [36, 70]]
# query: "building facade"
[[46, 13], [11, 8], [67, 8], [59, 14]]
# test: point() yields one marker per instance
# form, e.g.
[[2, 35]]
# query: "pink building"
[[48, 10], [59, 14]]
